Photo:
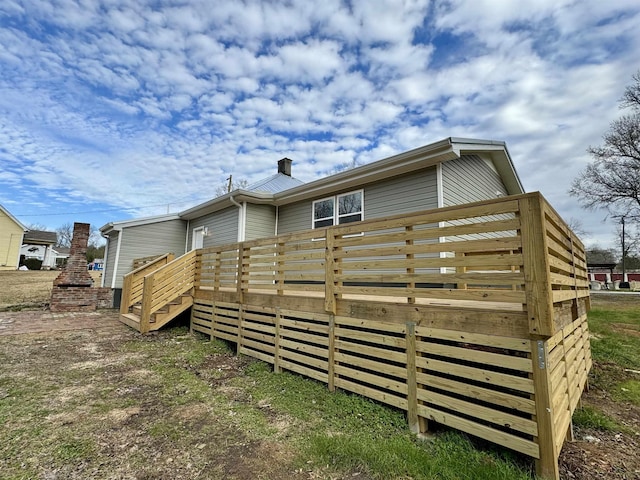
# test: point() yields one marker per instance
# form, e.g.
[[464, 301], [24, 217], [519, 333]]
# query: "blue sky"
[[123, 108]]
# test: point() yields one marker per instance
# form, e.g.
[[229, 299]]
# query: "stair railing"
[[165, 285], [132, 285]]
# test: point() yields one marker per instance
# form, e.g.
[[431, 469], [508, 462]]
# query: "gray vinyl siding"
[[294, 217], [470, 179], [260, 221], [147, 240], [403, 194], [222, 225]]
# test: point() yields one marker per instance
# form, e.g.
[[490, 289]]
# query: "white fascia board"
[[135, 222]]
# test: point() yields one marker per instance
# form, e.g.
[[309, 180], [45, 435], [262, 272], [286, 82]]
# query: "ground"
[[82, 395]]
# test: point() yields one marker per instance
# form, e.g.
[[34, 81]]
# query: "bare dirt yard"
[[83, 396]]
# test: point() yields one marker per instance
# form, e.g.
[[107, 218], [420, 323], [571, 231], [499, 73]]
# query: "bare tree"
[[231, 185], [612, 181], [65, 233]]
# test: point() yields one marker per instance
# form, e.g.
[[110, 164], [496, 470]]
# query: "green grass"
[[611, 341], [348, 433], [589, 417], [628, 391]]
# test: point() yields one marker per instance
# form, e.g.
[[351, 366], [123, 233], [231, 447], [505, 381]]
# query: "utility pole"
[[624, 253], [230, 183]]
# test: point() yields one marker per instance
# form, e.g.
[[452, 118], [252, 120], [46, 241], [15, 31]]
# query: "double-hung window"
[[340, 209]]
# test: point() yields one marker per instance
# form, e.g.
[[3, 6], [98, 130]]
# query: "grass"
[[29, 289], [590, 417], [345, 432]]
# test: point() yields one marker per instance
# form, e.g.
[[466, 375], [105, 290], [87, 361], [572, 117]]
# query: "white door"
[[197, 240]]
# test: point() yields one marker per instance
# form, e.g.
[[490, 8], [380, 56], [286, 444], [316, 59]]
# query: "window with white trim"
[[338, 210]]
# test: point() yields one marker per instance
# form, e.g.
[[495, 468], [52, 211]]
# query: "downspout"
[[440, 192], [117, 259], [240, 218], [106, 259], [186, 237]]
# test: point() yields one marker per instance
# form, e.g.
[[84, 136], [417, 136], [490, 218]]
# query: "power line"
[[103, 211]]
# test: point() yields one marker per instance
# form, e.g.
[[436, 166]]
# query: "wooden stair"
[[161, 317]]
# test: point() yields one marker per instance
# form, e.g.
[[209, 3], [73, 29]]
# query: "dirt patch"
[[109, 403], [626, 329]]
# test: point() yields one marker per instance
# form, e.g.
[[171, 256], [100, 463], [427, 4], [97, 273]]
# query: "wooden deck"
[[473, 316]]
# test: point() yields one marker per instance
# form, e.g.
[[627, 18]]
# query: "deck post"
[[547, 464], [536, 266], [276, 343], [125, 300], [331, 354], [147, 298], [412, 382], [239, 275], [329, 276]]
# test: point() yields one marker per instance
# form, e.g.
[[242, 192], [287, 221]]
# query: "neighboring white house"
[[40, 245]]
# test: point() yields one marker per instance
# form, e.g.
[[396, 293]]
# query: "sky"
[[118, 109]]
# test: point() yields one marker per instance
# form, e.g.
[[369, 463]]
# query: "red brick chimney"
[[75, 273]]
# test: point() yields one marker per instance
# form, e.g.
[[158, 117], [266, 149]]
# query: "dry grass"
[[24, 289]]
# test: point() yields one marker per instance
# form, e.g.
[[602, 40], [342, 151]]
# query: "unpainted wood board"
[[288, 345], [502, 399], [461, 246], [381, 326], [506, 299], [259, 346], [512, 442], [265, 338], [376, 352], [296, 336], [256, 354], [372, 393], [308, 372], [369, 364], [518, 344], [482, 375], [381, 339], [471, 409], [477, 356], [371, 379]]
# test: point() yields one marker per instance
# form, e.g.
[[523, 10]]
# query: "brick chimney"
[[284, 166], [72, 290], [75, 272]]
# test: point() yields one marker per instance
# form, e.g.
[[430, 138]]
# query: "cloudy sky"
[[122, 108]]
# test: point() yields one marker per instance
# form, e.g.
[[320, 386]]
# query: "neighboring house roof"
[[40, 237], [419, 158], [274, 184], [8, 214], [62, 251]]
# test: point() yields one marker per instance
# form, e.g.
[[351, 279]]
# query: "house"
[[39, 244], [448, 172], [11, 236]]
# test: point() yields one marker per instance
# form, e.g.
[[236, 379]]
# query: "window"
[[349, 209]]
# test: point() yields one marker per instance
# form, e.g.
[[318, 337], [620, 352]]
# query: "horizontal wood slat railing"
[[133, 282], [473, 316]]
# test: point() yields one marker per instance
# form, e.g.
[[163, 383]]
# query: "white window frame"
[[336, 208]]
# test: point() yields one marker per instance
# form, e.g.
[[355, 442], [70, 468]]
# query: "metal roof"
[[275, 183]]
